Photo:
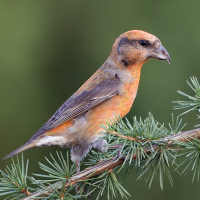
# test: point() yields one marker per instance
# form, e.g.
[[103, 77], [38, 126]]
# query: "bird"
[[108, 93]]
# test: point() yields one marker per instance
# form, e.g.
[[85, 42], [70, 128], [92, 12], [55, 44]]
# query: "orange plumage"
[[110, 91]]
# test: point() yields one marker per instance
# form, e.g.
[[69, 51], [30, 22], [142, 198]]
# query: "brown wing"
[[80, 103]]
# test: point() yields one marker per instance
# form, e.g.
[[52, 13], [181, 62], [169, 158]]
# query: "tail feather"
[[28, 145]]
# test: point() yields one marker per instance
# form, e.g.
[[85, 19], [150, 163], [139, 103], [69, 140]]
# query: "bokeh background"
[[49, 48]]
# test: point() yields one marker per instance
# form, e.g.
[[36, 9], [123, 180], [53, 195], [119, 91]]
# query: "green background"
[[49, 48]]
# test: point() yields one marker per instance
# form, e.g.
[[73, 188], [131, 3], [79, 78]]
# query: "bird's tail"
[[28, 145]]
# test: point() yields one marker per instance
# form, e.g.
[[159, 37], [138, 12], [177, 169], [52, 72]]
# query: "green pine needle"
[[191, 158], [194, 101], [14, 179], [59, 169], [176, 125]]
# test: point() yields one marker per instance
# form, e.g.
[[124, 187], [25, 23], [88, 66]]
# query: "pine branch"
[[113, 162]]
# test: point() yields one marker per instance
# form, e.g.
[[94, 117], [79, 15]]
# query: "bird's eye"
[[143, 43]]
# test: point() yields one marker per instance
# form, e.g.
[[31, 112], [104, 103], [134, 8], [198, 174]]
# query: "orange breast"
[[118, 105]]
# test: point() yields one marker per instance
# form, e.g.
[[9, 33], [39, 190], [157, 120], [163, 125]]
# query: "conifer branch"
[[113, 162]]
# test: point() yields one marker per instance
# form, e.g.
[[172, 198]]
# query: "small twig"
[[121, 136], [113, 162], [26, 192], [125, 137]]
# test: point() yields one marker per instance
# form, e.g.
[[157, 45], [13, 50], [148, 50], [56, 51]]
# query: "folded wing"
[[82, 101]]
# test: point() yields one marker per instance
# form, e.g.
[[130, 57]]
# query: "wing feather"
[[81, 103]]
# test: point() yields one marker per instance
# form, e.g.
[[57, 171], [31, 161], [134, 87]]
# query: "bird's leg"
[[78, 166], [102, 145], [78, 152], [77, 171], [77, 187]]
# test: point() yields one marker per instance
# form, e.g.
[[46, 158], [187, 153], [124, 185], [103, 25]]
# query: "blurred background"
[[49, 48]]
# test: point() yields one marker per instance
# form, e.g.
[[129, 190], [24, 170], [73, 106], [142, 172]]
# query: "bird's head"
[[136, 47]]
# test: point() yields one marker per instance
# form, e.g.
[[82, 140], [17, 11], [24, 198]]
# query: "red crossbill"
[[110, 91]]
